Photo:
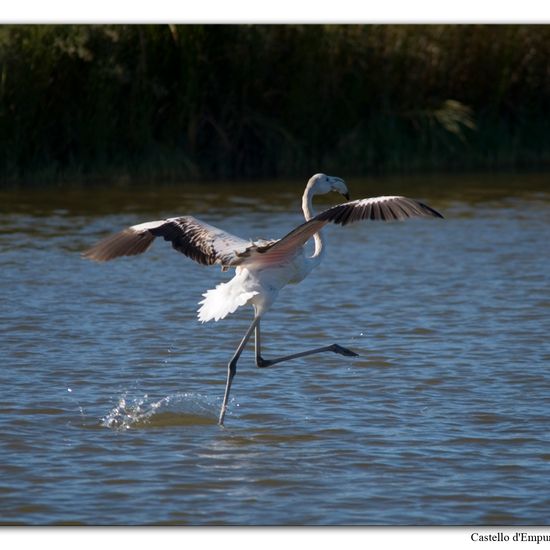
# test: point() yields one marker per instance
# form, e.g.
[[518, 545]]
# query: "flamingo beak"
[[346, 195]]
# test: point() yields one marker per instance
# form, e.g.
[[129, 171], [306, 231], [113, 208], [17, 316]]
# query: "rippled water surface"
[[111, 388]]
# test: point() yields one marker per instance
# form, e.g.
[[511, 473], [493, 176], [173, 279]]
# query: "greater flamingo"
[[262, 268]]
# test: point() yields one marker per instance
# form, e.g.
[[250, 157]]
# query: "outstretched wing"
[[376, 208], [199, 241]]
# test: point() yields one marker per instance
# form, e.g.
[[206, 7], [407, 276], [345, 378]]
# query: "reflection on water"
[[112, 388]]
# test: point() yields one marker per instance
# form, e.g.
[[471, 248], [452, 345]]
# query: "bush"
[[223, 101]]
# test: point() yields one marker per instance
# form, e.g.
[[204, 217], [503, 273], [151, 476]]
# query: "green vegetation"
[[223, 101]]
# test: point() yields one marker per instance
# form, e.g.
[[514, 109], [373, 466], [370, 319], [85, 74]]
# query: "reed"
[[220, 101]]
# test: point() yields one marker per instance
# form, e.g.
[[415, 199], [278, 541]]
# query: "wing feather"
[[377, 208], [128, 242], [209, 245], [199, 241], [386, 208]]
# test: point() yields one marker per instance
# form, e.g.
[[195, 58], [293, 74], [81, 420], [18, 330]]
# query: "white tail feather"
[[224, 299]]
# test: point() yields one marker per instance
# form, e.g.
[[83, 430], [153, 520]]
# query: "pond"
[[111, 388]]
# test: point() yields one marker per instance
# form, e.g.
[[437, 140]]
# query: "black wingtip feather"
[[386, 209], [434, 212], [123, 243]]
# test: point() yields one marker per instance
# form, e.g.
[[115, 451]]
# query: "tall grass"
[[222, 101]]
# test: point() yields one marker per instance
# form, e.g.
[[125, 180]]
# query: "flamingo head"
[[321, 184]]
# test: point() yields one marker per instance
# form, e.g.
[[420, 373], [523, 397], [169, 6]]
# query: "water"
[[110, 389]]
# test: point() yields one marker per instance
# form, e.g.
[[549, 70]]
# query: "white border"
[[251, 539], [282, 11]]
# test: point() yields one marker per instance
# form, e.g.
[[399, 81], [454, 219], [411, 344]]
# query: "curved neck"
[[307, 207]]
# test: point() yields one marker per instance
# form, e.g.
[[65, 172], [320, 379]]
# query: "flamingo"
[[262, 268]]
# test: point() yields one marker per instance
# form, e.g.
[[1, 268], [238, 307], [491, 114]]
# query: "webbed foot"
[[343, 351]]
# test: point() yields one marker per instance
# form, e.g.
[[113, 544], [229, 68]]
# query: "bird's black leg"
[[262, 363], [232, 368]]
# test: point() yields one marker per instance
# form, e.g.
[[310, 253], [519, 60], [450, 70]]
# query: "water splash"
[[178, 409]]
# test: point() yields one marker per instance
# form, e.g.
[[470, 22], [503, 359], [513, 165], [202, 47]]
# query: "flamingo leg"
[[262, 363], [232, 367]]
